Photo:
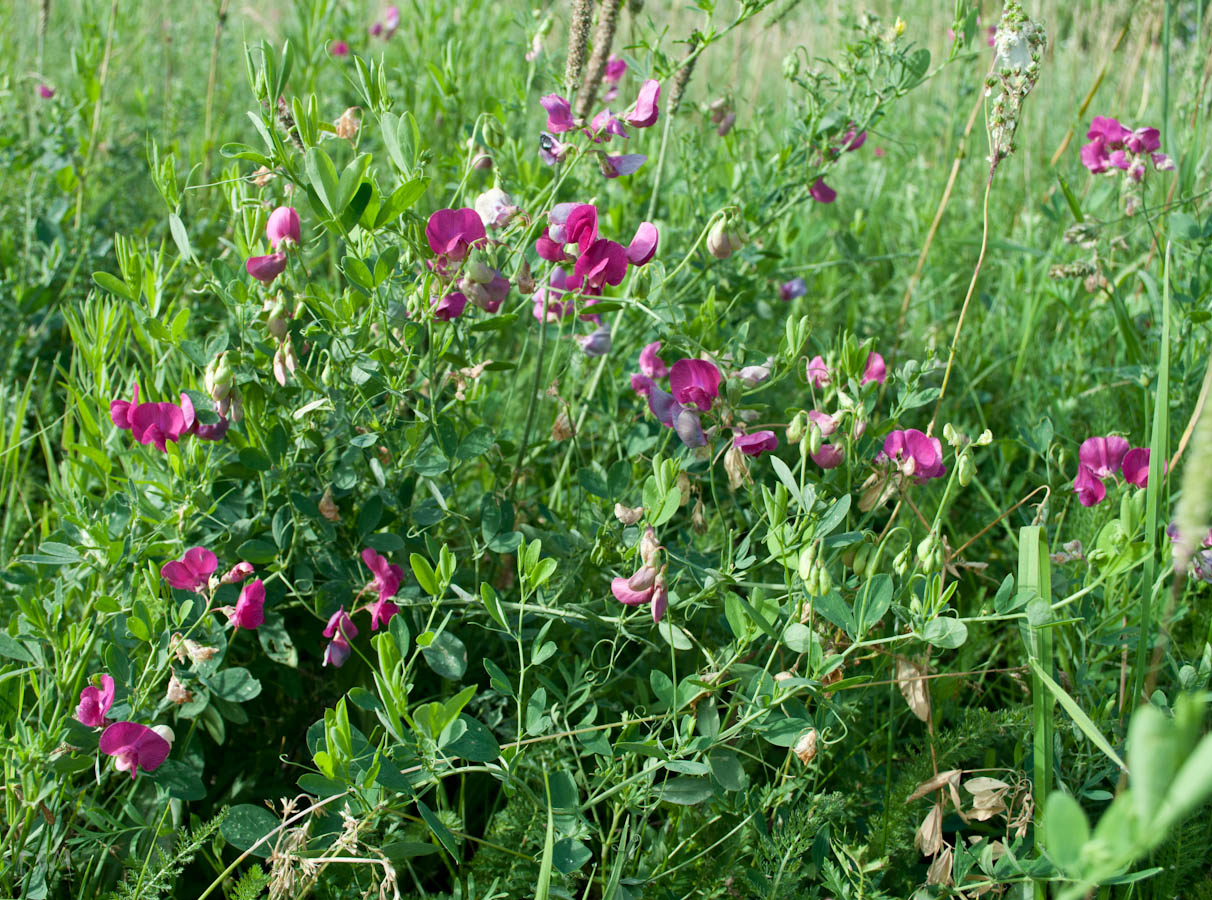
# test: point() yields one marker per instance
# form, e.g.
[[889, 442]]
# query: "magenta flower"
[[548, 249], [605, 262], [616, 66], [120, 410], [559, 113], [547, 298], [283, 225], [249, 611], [381, 612], [192, 572], [95, 703], [551, 150], [821, 192], [391, 21], [818, 372], [341, 630], [134, 746], [1089, 487], [237, 573], [453, 232], [636, 590], [915, 454], [644, 245], [266, 268], [660, 597], [603, 125], [449, 307], [1104, 456], [828, 457], [388, 576], [757, 443], [688, 427], [1095, 157], [1144, 140], [158, 423], [875, 369], [1136, 466], [852, 140], [694, 382], [597, 343], [338, 48], [823, 421], [1109, 130], [45, 91], [625, 164], [581, 226], [792, 289], [646, 110], [650, 363], [213, 432]]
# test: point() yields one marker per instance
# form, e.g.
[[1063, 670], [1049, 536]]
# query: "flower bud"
[[965, 468], [797, 427], [824, 580], [643, 579], [861, 558], [858, 428], [237, 573], [901, 562], [925, 549], [660, 597], [949, 434], [280, 364], [649, 547], [718, 244], [814, 439], [478, 273], [493, 132], [278, 320], [807, 561]]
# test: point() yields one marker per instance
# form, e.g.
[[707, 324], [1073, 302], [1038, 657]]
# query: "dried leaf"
[[940, 870], [951, 776], [981, 785], [929, 837], [805, 747], [913, 687]]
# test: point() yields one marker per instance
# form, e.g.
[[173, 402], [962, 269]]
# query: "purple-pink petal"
[[266, 268], [756, 443], [646, 109], [95, 703], [644, 245], [875, 369], [1090, 489], [694, 382], [651, 363], [605, 262], [624, 164], [283, 225], [559, 113], [134, 747], [1104, 456], [581, 226], [1136, 466], [821, 192], [626, 595]]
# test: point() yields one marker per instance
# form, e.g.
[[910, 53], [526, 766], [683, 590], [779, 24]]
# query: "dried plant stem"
[[603, 38], [102, 72], [1098, 81], [578, 37], [959, 326], [934, 225], [220, 21]]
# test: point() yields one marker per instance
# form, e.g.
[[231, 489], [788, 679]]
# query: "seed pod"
[[824, 580], [807, 561], [862, 558], [901, 562]]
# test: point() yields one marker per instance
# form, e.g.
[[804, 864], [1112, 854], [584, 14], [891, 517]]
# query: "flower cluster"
[[453, 234], [694, 384], [283, 231], [159, 423], [133, 746], [1100, 458], [647, 585], [340, 630], [387, 27], [1113, 146], [604, 126], [818, 425], [193, 573]]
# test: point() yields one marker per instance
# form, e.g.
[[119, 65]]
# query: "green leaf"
[[257, 551], [447, 656], [180, 780], [351, 180], [424, 574], [1084, 722], [833, 518], [1066, 831], [1189, 789], [246, 824], [13, 650], [476, 743], [946, 632], [322, 175], [440, 831], [570, 855], [493, 604], [685, 790], [402, 198], [114, 285], [237, 685]]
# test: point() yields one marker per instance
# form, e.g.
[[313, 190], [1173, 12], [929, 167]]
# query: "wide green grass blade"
[[544, 886]]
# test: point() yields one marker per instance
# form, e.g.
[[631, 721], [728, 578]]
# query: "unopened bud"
[[965, 468], [493, 132], [478, 272], [718, 244], [237, 573], [660, 597], [649, 545], [901, 562], [796, 428], [814, 439], [861, 558], [643, 579], [807, 561], [925, 549]]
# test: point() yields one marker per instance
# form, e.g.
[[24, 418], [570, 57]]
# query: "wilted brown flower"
[[328, 508]]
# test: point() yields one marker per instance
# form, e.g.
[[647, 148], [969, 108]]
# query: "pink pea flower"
[[1108, 129], [266, 268], [548, 249], [603, 125], [213, 432], [338, 48], [625, 164], [341, 630], [192, 572], [605, 262], [852, 140], [694, 382], [1136, 466], [756, 443], [490, 295], [120, 410], [1144, 140], [818, 372], [249, 611], [381, 611], [875, 369], [1095, 157], [688, 427], [616, 67], [45, 91], [915, 454], [283, 225], [449, 307], [646, 109], [237, 573], [650, 363], [1120, 160], [828, 457], [559, 113], [548, 298], [597, 343], [376, 30], [387, 576], [821, 192], [629, 596], [644, 245], [1089, 487], [792, 289], [823, 421], [453, 232], [158, 423], [391, 21], [581, 226], [495, 208], [660, 597], [879, 151], [134, 747], [752, 376], [95, 703], [1104, 456], [551, 150]]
